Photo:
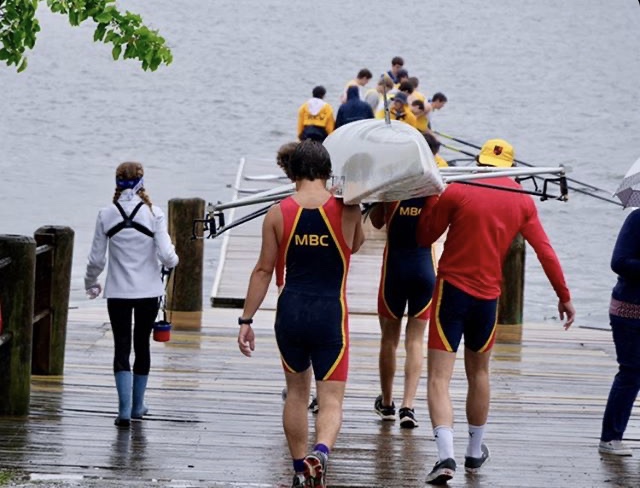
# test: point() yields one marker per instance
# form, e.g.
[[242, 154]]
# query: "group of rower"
[[395, 93]]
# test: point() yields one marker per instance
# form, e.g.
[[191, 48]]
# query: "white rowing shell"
[[373, 161]]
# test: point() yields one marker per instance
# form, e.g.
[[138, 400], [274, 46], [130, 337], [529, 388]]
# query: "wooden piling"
[[511, 303], [17, 294], [52, 300], [184, 291]]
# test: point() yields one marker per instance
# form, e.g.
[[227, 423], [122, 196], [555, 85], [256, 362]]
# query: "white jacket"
[[134, 258]]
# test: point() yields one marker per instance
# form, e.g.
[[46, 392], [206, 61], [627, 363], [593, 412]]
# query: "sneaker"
[[386, 413], [442, 472], [472, 464], [407, 418], [617, 448], [299, 481], [313, 406], [315, 469]]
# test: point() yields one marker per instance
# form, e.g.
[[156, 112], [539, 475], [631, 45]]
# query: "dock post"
[[510, 305], [52, 299], [17, 280], [184, 292]]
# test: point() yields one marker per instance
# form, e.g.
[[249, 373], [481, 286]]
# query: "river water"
[[559, 80]]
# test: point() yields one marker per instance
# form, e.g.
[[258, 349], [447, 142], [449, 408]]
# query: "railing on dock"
[[35, 278]]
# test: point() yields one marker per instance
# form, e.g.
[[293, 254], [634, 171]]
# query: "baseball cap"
[[496, 152], [401, 97]]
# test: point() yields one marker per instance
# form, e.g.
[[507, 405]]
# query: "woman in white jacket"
[[135, 233]]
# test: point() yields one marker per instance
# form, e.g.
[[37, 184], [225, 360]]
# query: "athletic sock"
[[322, 448], [298, 465], [444, 442], [476, 434]]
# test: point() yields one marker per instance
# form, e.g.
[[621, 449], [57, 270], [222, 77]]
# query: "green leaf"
[[23, 65], [101, 30], [115, 52], [104, 18]]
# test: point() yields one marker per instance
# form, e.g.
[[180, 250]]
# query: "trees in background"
[[130, 38]]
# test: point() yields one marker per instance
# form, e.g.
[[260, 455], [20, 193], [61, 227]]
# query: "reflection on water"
[[128, 448]]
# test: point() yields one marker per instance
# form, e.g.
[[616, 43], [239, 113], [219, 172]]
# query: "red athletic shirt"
[[482, 224]]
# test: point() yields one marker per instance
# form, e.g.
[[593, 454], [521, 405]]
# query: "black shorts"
[[313, 330], [456, 313]]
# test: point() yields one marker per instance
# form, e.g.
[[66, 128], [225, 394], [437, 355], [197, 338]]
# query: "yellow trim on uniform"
[[287, 367], [293, 231], [493, 333], [345, 269], [433, 263], [441, 333], [396, 206], [384, 280]]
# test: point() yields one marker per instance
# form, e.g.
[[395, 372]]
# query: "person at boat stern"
[[465, 299], [314, 235], [406, 283], [624, 317], [134, 231]]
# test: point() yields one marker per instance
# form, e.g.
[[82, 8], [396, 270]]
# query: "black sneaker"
[[407, 418], [442, 472], [386, 413], [472, 465], [315, 469], [299, 481], [313, 406]]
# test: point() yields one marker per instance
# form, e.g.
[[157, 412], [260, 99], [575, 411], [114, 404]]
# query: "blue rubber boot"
[[139, 409], [123, 385]]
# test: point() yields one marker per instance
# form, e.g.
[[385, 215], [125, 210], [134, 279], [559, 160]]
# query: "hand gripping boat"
[[376, 161]]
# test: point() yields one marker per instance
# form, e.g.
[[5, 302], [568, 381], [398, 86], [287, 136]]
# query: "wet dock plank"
[[216, 416]]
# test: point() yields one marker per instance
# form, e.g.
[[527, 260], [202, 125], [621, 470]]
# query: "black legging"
[[144, 311]]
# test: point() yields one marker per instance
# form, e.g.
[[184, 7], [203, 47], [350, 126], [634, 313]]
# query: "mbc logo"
[[411, 211], [311, 240]]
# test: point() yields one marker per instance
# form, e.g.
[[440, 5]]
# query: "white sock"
[[476, 434], [444, 441]]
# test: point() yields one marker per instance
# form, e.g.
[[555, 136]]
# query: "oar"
[[466, 143], [270, 195], [242, 220], [578, 190]]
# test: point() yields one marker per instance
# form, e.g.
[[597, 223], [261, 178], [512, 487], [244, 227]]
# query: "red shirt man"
[[482, 223]]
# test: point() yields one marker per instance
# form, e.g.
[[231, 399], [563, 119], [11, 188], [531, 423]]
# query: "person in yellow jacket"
[[416, 95], [399, 110], [418, 109], [315, 117], [364, 76], [374, 96]]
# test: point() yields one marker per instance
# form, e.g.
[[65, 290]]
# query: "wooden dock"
[[215, 415]]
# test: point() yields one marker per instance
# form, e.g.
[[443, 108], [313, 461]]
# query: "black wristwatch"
[[242, 321]]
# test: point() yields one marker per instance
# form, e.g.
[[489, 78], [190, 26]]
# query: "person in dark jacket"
[[353, 109], [624, 316]]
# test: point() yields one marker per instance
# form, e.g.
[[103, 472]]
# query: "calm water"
[[557, 79]]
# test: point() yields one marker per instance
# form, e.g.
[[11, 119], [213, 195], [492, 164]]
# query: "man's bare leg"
[[329, 418], [414, 347], [476, 366], [294, 415], [389, 339]]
